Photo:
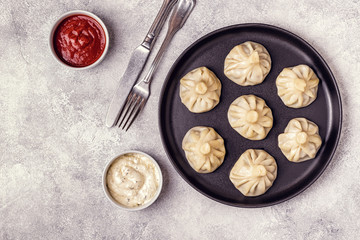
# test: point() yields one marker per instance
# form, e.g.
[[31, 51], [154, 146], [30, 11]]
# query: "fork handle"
[[157, 59], [158, 23], [179, 16]]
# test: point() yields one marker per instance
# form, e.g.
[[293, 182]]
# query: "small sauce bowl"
[[54, 50], [121, 206]]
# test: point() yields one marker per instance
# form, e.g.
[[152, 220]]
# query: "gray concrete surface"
[[54, 144]]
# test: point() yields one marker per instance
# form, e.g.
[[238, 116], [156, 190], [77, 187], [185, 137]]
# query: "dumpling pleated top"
[[254, 172], [300, 140], [250, 117], [204, 149], [200, 90], [247, 64], [297, 86]]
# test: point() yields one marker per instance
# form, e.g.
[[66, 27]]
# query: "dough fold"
[[300, 140], [254, 172], [204, 149], [247, 64], [200, 90], [250, 117]]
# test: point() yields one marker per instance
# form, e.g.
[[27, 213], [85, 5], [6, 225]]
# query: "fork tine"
[[133, 110], [138, 110], [130, 110], [127, 107]]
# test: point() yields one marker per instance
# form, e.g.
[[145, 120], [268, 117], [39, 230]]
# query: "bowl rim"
[[117, 204], [66, 15]]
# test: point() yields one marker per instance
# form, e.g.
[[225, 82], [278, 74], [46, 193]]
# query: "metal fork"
[[140, 93]]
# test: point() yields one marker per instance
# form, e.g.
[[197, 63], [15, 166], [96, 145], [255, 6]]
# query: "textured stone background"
[[54, 144]]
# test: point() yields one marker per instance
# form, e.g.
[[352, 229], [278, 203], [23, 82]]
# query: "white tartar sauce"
[[132, 179]]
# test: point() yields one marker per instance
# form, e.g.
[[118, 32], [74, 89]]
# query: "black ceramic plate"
[[286, 50]]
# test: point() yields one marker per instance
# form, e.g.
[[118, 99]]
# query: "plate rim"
[[223, 29]]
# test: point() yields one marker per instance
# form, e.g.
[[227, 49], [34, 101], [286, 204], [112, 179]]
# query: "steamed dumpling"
[[204, 149], [300, 140], [297, 86], [247, 64], [200, 90], [250, 117], [254, 172]]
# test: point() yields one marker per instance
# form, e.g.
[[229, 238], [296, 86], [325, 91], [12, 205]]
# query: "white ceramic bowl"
[[71, 13], [111, 199]]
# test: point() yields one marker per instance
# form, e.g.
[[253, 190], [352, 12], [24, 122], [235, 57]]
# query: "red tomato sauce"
[[79, 40]]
